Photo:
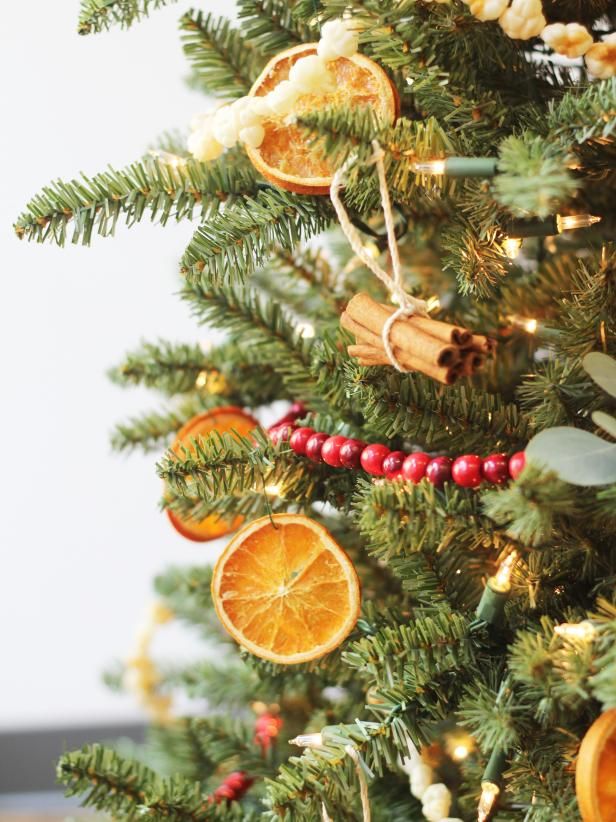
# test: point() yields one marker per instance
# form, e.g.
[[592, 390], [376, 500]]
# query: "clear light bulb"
[[501, 581], [512, 246], [570, 222], [489, 792], [308, 741], [429, 166]]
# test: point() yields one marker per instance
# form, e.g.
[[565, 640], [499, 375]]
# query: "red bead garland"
[[267, 728], [372, 458], [466, 471], [233, 788], [338, 451]]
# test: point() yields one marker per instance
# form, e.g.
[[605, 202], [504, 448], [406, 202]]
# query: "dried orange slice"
[[285, 158], [595, 771], [285, 590], [226, 419]]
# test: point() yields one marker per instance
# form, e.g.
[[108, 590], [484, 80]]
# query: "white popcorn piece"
[[226, 125], [282, 99], [601, 58], [338, 39], [435, 802], [201, 142], [420, 778], [253, 136], [310, 74], [570, 39], [487, 9], [523, 19]]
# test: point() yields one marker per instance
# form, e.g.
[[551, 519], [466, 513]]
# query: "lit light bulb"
[[173, 160], [201, 380], [530, 326], [570, 222], [489, 792], [305, 330], [373, 250], [460, 752], [512, 246], [501, 581], [274, 490], [429, 167], [584, 631], [433, 303], [308, 741]]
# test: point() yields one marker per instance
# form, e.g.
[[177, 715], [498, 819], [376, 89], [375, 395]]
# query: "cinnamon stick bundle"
[[440, 350]]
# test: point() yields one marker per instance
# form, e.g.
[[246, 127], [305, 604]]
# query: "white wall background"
[[80, 533]]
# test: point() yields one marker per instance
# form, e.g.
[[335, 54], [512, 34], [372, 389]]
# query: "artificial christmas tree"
[[459, 161]]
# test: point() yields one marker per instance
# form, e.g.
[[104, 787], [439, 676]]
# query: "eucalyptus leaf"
[[602, 369], [605, 421], [577, 456]]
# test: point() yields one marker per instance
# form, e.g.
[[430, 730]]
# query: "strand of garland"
[[338, 451]]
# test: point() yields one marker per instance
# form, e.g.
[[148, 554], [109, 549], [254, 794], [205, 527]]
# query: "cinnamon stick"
[[483, 344], [448, 356], [454, 334], [405, 334], [471, 361], [371, 355]]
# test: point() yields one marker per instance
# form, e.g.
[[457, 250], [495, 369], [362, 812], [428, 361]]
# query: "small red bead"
[[331, 450], [392, 464], [350, 453], [516, 464], [438, 471], [299, 438], [372, 458], [281, 432], [495, 468], [414, 468], [315, 445], [466, 471]]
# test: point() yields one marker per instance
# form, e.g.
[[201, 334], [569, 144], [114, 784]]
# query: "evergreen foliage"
[[419, 661]]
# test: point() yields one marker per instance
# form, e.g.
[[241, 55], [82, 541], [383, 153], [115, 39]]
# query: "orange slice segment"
[[285, 157], [595, 770], [285, 590], [224, 420]]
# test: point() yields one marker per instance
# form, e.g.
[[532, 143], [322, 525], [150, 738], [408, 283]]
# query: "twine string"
[[408, 305], [363, 783]]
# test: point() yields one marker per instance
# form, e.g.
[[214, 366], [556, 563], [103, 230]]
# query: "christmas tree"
[[444, 352]]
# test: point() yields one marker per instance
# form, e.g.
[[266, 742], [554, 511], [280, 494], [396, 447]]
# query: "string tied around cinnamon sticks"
[[408, 305], [405, 337]]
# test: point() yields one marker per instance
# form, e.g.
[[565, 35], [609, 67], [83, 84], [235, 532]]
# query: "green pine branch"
[[77, 209], [578, 117], [223, 61], [260, 328], [233, 243], [171, 368], [271, 26], [417, 408], [101, 15]]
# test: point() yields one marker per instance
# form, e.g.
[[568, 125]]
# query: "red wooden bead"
[[350, 453], [466, 471], [281, 432], [372, 458], [438, 471], [516, 464], [331, 450], [495, 468], [414, 468], [392, 464], [299, 438], [314, 446]]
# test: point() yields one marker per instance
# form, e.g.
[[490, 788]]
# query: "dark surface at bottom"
[[28, 758]]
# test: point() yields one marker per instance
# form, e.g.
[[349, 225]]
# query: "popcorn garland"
[[242, 120], [524, 19], [435, 797], [141, 675]]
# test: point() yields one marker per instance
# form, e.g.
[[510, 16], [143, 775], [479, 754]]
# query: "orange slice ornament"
[[287, 157], [223, 420], [285, 590], [595, 771]]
